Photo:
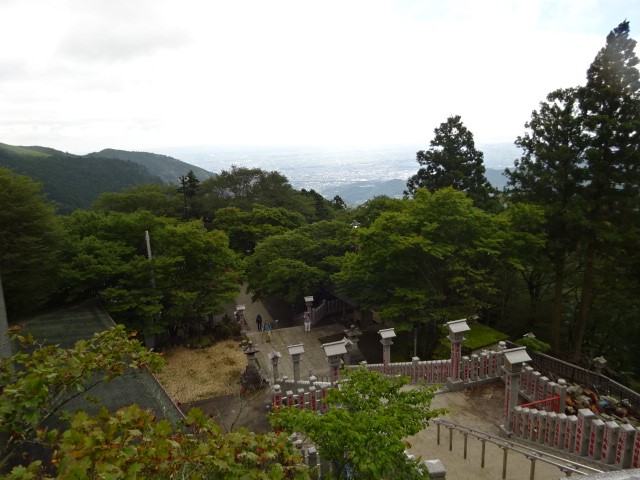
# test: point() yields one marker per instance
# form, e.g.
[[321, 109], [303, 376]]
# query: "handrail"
[[552, 402], [568, 467]]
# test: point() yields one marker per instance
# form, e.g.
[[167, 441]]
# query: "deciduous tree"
[[31, 241], [363, 432]]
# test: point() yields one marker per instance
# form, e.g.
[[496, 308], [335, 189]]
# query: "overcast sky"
[[83, 75]]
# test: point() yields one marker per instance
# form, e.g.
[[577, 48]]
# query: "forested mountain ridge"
[[169, 169], [73, 181]]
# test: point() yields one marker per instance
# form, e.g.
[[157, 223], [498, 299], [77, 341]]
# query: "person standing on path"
[[307, 322], [259, 322]]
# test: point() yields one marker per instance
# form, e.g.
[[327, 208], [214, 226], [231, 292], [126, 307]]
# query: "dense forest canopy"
[[554, 253]]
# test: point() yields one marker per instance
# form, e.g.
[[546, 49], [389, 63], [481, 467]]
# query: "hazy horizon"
[[147, 75]]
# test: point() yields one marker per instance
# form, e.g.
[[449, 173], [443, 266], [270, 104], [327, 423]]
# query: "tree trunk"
[[556, 309], [585, 300]]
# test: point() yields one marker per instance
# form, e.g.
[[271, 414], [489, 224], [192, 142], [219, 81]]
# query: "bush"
[[226, 329], [533, 344], [480, 336]]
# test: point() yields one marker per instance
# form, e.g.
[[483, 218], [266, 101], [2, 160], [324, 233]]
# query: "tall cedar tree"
[[610, 104], [550, 174], [581, 162], [452, 161]]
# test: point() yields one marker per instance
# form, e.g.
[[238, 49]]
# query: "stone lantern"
[[295, 351], [456, 336], [334, 352], [514, 360], [599, 363], [251, 379], [386, 339]]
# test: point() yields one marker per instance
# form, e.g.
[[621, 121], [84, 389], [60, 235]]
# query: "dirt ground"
[[197, 374]]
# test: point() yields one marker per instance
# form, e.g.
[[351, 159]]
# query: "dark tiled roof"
[[66, 326]]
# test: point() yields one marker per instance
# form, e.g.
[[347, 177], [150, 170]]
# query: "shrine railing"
[[548, 404]]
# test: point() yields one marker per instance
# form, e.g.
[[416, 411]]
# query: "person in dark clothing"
[[259, 322]]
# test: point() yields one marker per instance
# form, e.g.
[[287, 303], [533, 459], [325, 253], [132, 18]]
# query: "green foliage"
[[297, 262], [73, 181], [192, 272], [39, 381], [31, 240], [166, 168], [246, 229], [243, 187], [534, 344], [580, 163], [452, 161], [131, 442], [161, 200], [436, 255], [480, 336], [364, 428]]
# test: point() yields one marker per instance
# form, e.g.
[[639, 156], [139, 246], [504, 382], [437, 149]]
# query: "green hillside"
[[73, 181], [165, 167]]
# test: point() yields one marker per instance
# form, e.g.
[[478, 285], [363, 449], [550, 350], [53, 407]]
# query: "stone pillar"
[[240, 318], [436, 469], [610, 441], [583, 431], [277, 396], [635, 458], [484, 365], [550, 428], [456, 337], [386, 339], [561, 391], [558, 434], [334, 352], [514, 359], [624, 448], [533, 385], [309, 303], [295, 351], [570, 433], [312, 462], [353, 334], [348, 344], [595, 439], [275, 357]]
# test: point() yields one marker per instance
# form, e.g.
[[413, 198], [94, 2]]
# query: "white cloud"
[[87, 74]]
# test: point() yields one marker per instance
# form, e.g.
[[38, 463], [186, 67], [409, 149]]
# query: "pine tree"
[[452, 161]]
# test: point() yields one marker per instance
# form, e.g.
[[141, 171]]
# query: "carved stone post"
[[275, 357], [334, 352], [456, 337], [295, 351], [513, 361], [386, 339]]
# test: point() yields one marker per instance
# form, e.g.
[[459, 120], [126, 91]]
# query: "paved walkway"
[[480, 409], [312, 360]]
